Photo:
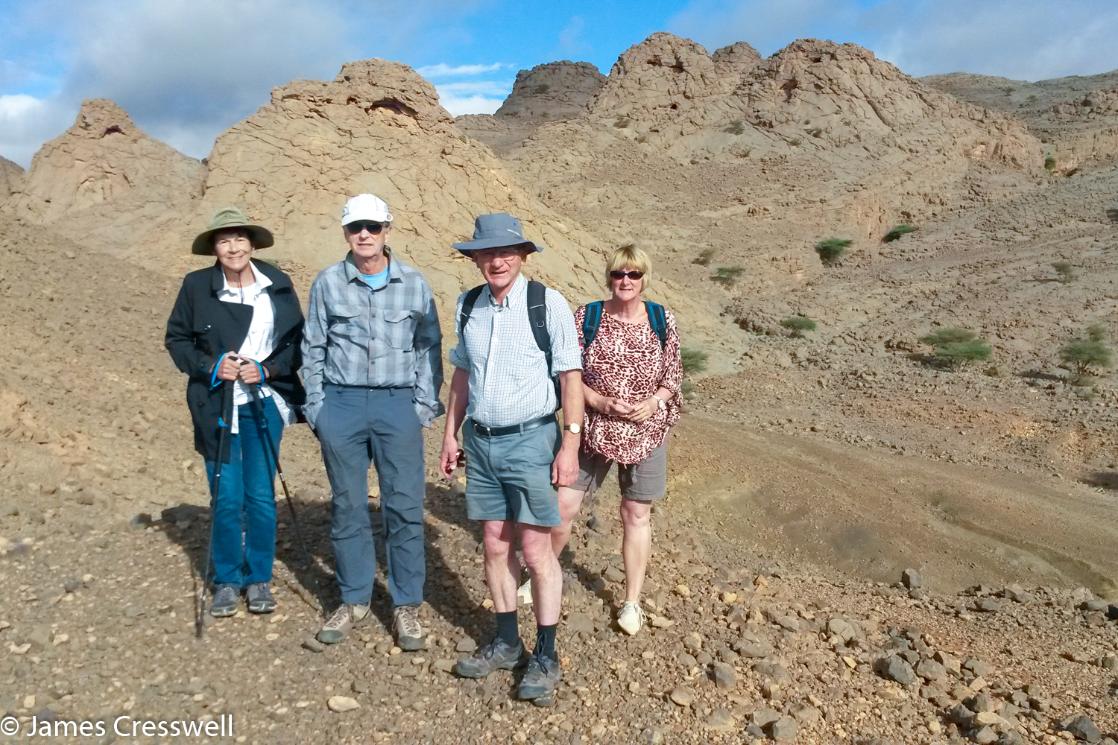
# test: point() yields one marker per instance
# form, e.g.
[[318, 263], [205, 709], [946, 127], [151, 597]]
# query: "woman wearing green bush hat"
[[235, 330]]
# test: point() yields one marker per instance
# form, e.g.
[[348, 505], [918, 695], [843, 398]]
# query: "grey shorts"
[[509, 477], [646, 481]]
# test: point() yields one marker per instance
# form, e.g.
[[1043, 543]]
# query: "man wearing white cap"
[[372, 367]]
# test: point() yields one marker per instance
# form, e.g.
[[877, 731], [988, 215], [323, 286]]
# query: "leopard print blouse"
[[625, 361]]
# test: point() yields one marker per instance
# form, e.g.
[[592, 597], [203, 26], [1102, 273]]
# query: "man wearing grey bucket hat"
[[372, 367], [514, 336]]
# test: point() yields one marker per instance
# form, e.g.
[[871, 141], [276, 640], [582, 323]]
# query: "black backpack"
[[657, 319], [537, 319]]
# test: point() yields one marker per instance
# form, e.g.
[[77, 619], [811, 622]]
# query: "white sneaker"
[[630, 618], [524, 593]]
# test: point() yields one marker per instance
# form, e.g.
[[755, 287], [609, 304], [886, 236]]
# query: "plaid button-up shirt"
[[384, 338], [508, 372]]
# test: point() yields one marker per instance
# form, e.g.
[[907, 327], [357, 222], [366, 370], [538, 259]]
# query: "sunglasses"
[[619, 274], [374, 228]]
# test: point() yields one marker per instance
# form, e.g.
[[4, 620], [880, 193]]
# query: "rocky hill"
[[11, 174], [107, 174], [556, 90], [1074, 117], [378, 127]]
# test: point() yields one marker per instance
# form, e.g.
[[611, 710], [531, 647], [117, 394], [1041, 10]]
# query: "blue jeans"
[[357, 426], [244, 514]]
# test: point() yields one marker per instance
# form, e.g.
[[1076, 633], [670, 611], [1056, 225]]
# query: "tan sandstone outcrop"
[[11, 176], [378, 127], [556, 90], [105, 162]]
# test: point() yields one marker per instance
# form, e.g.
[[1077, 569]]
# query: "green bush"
[[953, 347], [798, 325], [704, 257], [736, 127], [727, 275], [830, 250], [694, 360], [622, 122], [897, 232], [1049, 163], [1088, 352], [1064, 271]]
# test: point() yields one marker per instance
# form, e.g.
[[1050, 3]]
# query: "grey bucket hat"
[[228, 218], [496, 230]]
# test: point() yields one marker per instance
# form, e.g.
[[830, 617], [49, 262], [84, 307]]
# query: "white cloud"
[[458, 105], [571, 39], [1027, 39], [25, 122], [443, 70]]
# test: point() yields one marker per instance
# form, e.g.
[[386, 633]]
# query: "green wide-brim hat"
[[227, 218]]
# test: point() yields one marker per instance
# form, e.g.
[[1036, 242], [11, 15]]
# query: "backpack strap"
[[537, 319], [591, 321], [658, 320], [468, 303]]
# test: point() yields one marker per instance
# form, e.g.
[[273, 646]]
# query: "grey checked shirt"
[[385, 338], [508, 372]]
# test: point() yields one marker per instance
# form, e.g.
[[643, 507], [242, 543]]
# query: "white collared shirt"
[[260, 340]]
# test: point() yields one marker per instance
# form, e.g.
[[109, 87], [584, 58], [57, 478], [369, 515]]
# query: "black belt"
[[482, 431]]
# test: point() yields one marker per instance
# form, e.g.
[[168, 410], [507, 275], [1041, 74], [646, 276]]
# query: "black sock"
[[507, 629], [545, 641]]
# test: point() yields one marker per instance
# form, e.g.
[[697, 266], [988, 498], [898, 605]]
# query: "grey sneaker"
[[540, 680], [496, 655], [405, 624], [259, 598], [345, 618], [225, 601]]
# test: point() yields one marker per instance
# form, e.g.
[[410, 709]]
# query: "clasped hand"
[[243, 369], [637, 412]]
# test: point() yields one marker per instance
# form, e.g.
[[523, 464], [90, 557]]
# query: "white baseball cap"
[[365, 207]]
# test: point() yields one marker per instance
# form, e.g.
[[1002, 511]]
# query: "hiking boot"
[[405, 624], [541, 678], [630, 618], [345, 618], [496, 655], [524, 593], [259, 598], [225, 601]]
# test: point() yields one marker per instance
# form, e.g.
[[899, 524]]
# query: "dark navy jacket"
[[201, 328]]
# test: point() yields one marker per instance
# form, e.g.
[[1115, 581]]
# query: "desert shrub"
[[830, 250], [687, 389], [798, 325], [1049, 163], [1087, 353], [727, 275], [694, 360], [1064, 271], [622, 122], [736, 127], [704, 257], [897, 232], [954, 347]]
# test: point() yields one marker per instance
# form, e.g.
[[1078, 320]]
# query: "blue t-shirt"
[[375, 281]]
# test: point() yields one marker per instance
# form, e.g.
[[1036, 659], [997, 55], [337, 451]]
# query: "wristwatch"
[[574, 429]]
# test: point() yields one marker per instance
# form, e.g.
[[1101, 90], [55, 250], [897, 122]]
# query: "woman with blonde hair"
[[631, 378]]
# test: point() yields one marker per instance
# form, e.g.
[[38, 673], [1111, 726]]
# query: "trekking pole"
[[215, 489], [270, 450]]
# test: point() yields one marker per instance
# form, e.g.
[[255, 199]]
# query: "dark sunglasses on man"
[[619, 274], [373, 228]]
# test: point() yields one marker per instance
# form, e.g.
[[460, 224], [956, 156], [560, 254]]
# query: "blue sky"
[[188, 69]]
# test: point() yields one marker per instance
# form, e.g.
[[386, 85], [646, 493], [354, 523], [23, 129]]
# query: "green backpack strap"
[[658, 320], [591, 321]]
